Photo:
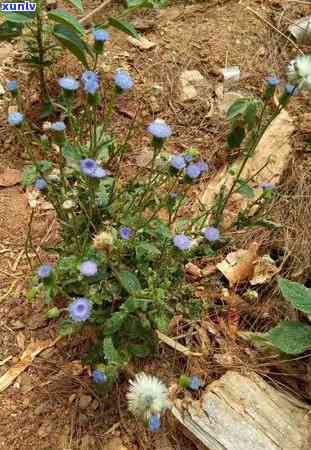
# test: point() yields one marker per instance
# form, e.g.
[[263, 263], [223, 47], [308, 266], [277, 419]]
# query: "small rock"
[[17, 324], [142, 43], [191, 81], [85, 401]]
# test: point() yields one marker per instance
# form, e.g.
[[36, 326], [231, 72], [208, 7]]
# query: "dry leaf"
[[20, 339], [10, 177], [239, 266], [33, 349], [75, 368], [273, 147], [193, 270], [264, 270], [142, 43]]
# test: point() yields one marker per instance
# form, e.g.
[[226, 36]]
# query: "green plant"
[[293, 337]]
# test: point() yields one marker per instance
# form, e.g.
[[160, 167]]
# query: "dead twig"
[[95, 11]]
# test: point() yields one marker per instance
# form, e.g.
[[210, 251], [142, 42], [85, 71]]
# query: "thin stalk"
[[38, 35]]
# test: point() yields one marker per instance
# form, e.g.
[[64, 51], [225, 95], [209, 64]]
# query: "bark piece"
[[244, 412]]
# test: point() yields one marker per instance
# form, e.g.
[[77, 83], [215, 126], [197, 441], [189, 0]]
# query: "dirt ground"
[[42, 410]]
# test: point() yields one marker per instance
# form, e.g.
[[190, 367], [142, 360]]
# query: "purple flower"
[[273, 81], [101, 35], [211, 234], [88, 166], [11, 85], [173, 195], [68, 83], [89, 75], [159, 129], [195, 383], [99, 173], [40, 184], [290, 89], [58, 126], [99, 377], [123, 80], [80, 309], [203, 166], [266, 185], [178, 162], [182, 242], [44, 271], [88, 268], [125, 233], [193, 171], [154, 422], [187, 158], [15, 118], [91, 86]]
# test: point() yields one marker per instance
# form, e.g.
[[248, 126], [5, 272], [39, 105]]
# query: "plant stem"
[[43, 86]]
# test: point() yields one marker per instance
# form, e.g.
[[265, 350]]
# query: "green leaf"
[[297, 294], [123, 25], [19, 17], [236, 137], [147, 251], [130, 282], [245, 189], [162, 322], [61, 16], [291, 337], [237, 107], [115, 322], [10, 30], [31, 173], [111, 353], [66, 328], [250, 114], [139, 350], [134, 304], [72, 154], [72, 41], [77, 4]]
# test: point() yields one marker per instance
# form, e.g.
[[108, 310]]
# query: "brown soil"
[[41, 409]]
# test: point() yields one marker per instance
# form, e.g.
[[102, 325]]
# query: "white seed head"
[[299, 71], [68, 204], [147, 395]]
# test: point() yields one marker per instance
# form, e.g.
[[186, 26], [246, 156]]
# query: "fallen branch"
[[175, 345], [95, 11]]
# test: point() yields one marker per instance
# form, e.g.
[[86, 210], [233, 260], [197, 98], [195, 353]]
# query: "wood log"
[[239, 412]]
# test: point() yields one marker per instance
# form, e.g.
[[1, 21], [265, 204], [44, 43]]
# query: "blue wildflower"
[[203, 166], [91, 87], [40, 184], [273, 81], [88, 166], [58, 126], [266, 185], [290, 89], [188, 158], [99, 377], [159, 129], [99, 173], [211, 233], [182, 242], [178, 162], [11, 85], [154, 422], [123, 80], [125, 233], [173, 195], [89, 75], [80, 309], [44, 271], [88, 268], [193, 171], [15, 118], [101, 35], [68, 83], [195, 383]]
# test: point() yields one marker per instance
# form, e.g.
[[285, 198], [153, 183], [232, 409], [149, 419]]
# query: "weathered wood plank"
[[241, 412]]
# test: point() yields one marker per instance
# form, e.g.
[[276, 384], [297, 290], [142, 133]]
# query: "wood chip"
[[26, 359], [10, 177]]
